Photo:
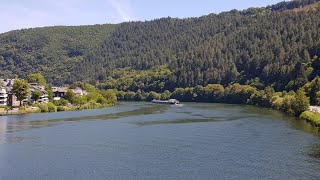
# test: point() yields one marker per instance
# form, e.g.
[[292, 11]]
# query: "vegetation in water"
[[312, 117]]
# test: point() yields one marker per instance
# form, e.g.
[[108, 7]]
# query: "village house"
[[7, 82], [3, 97], [79, 92], [59, 92], [7, 97], [43, 99], [12, 99]]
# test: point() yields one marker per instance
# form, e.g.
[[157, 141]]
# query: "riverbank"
[[312, 117], [43, 108], [5, 111]]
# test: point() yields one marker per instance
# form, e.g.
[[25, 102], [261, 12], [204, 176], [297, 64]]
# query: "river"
[[149, 141]]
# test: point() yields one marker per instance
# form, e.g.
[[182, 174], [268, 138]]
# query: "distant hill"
[[53, 51], [271, 45]]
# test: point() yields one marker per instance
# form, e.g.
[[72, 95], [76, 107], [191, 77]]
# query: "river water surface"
[[148, 141]]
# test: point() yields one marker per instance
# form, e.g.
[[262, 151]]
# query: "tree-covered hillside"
[[270, 46], [235, 46], [53, 51]]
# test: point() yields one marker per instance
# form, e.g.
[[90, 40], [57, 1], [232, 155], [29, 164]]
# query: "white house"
[[3, 97], [43, 99], [79, 92]]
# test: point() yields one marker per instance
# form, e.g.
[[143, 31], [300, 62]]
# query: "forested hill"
[[272, 45], [53, 51]]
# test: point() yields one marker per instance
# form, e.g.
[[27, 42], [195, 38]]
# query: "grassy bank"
[[312, 117], [51, 107]]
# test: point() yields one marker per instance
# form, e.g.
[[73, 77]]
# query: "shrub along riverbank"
[[292, 103], [94, 100], [158, 83], [312, 117]]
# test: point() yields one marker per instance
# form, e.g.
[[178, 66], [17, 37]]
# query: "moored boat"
[[170, 101]]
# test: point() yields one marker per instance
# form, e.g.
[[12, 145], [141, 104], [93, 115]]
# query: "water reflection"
[[223, 141], [200, 119], [190, 113], [314, 151], [25, 125], [293, 122], [3, 129]]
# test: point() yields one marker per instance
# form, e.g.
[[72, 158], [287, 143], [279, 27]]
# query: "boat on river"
[[170, 101]]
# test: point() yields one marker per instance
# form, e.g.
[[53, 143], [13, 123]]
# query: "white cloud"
[[122, 7]]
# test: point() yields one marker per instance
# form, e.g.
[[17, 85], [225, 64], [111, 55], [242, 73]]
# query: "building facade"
[[3, 97]]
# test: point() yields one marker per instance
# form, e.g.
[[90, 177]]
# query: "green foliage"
[[290, 5], [139, 96], [312, 89], [101, 100], [212, 93], [152, 95], [312, 117], [255, 83], [277, 102], [121, 95], [77, 85], [89, 87], [129, 96], [185, 94], [52, 51], [257, 47], [61, 108], [93, 96], [43, 107], [301, 102], [155, 79], [20, 89], [69, 96], [110, 95], [91, 105], [166, 95], [36, 78], [51, 107], [239, 94], [293, 103], [35, 95], [254, 47], [263, 97], [79, 100], [50, 94], [61, 102]]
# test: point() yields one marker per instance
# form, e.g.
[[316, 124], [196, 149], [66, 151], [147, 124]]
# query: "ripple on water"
[[14, 139], [197, 141], [314, 151]]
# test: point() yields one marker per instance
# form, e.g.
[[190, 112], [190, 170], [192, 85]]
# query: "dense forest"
[[53, 51], [272, 46]]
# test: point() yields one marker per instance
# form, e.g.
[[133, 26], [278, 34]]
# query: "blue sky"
[[18, 14]]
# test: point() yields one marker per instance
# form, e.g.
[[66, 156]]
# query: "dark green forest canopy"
[[270, 46], [53, 51]]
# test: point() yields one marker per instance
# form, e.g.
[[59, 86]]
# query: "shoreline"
[[38, 110], [311, 115]]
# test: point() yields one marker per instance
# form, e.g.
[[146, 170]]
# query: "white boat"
[[170, 101]]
